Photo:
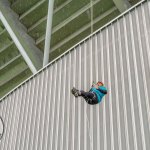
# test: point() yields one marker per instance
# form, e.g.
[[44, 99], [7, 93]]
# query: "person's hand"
[[95, 86]]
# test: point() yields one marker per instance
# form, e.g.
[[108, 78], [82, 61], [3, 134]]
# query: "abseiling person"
[[95, 94]]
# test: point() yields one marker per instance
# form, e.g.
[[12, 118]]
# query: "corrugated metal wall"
[[43, 115]]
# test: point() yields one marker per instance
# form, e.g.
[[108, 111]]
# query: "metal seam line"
[[48, 32], [4, 117], [45, 139], [34, 113], [68, 105], [79, 104], [63, 104], [142, 63], [43, 109], [10, 120], [85, 106], [41, 103], [73, 109], [25, 118], [31, 105], [21, 118], [10, 105], [46, 110], [18, 44], [53, 109], [110, 98], [18, 114], [59, 82], [130, 86], [97, 75], [26, 128], [50, 106], [116, 87], [145, 85], [13, 122], [104, 105], [137, 85], [123, 88], [91, 79]]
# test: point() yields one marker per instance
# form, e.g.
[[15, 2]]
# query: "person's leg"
[[86, 94], [89, 97]]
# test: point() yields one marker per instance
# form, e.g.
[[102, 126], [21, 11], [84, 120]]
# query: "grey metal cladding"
[[42, 114]]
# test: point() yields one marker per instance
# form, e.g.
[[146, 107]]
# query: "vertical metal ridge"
[[79, 104], [5, 138], [123, 88], [130, 86], [137, 84], [37, 84], [63, 105], [21, 118], [43, 110], [38, 111], [28, 123], [18, 115], [148, 48], [73, 105], [4, 113], [146, 34], [25, 118], [68, 106], [9, 121], [48, 109], [91, 108], [104, 109], [97, 75], [116, 87], [59, 82], [53, 109], [142, 63], [85, 106], [110, 89], [12, 121]]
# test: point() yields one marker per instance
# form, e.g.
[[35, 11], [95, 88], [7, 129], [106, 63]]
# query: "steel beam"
[[25, 44], [48, 32], [18, 44], [122, 5]]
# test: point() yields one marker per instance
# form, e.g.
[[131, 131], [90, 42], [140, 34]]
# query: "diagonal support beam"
[[25, 44], [122, 5], [48, 32]]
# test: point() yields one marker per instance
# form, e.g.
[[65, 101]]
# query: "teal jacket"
[[100, 92]]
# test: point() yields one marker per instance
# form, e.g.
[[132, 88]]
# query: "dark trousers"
[[89, 97]]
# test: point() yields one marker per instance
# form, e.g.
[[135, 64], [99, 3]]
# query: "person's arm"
[[104, 91]]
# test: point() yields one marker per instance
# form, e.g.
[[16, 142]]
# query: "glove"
[[95, 86]]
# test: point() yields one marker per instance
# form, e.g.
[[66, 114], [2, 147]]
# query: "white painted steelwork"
[[18, 44], [48, 32], [42, 114]]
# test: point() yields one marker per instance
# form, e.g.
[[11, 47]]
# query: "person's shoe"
[[75, 92]]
